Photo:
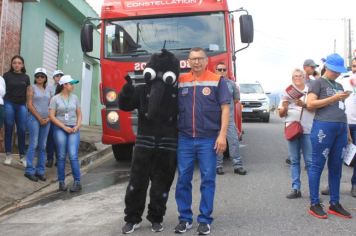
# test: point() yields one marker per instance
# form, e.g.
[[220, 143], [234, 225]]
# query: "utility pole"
[[345, 44]]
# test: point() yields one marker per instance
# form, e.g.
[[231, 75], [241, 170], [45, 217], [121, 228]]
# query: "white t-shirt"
[[2, 90], [350, 102], [294, 111]]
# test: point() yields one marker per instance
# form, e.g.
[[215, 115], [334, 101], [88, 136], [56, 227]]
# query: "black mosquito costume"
[[154, 156]]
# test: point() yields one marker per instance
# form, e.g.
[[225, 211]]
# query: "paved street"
[[254, 204]]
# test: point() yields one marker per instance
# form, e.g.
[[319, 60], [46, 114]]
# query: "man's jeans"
[[189, 150], [15, 113], [353, 136], [51, 147], [303, 144], [234, 147], [37, 141], [67, 143], [329, 140]]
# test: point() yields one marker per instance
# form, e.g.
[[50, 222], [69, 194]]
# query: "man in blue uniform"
[[202, 124]]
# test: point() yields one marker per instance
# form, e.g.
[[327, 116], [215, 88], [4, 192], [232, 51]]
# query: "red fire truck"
[[131, 30]]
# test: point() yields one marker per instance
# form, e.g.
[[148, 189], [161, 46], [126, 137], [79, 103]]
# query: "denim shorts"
[[1, 116]]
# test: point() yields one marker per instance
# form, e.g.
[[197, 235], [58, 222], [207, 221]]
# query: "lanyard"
[[333, 86], [66, 104]]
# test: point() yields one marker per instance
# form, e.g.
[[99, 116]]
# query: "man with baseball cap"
[[309, 67]]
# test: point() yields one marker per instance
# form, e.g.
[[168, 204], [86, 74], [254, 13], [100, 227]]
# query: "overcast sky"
[[287, 33]]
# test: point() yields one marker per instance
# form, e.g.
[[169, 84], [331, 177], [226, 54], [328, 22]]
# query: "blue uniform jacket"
[[200, 101]]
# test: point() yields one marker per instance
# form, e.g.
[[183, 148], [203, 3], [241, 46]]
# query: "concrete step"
[[15, 187]]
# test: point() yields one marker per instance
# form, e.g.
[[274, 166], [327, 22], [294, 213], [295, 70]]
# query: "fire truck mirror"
[[246, 28], [86, 37]]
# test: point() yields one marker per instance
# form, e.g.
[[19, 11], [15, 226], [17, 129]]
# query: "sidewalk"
[[15, 187]]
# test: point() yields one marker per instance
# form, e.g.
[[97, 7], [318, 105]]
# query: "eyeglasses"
[[199, 59], [40, 76], [221, 69]]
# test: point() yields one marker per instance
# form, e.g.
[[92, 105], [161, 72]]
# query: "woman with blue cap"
[[329, 136]]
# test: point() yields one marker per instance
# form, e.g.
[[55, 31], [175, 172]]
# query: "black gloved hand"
[[128, 88]]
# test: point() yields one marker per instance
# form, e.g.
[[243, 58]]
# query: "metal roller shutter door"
[[50, 50]]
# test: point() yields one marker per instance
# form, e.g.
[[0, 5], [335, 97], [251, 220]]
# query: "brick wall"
[[10, 31]]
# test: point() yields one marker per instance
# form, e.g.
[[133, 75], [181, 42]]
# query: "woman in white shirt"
[[295, 110], [349, 84], [2, 94]]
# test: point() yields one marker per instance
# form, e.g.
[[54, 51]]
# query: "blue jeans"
[[234, 147], [15, 113], [189, 150], [67, 143], [303, 144], [1, 116], [353, 136], [38, 138], [328, 139], [51, 147]]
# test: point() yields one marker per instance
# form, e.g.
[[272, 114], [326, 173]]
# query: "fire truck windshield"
[[135, 37]]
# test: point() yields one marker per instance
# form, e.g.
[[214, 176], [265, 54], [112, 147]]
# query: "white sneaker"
[[23, 162], [8, 160]]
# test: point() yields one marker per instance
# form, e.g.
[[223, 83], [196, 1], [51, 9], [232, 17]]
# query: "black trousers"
[[155, 165]]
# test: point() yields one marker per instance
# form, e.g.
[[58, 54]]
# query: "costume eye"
[[149, 74], [169, 77]]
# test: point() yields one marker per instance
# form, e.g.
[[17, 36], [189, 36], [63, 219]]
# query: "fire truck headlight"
[[112, 117], [111, 96]]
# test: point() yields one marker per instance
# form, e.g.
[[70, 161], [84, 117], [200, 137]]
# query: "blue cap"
[[335, 63]]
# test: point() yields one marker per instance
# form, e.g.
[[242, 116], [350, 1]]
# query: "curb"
[[86, 162], [88, 159]]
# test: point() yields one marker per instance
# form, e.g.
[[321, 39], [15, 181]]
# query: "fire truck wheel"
[[122, 151]]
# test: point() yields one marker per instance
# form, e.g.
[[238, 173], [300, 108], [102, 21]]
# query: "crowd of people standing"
[[50, 113], [327, 114]]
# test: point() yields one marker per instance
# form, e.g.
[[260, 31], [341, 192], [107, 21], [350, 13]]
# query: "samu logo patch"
[[206, 91], [185, 91]]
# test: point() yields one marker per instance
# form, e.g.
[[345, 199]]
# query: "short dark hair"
[[198, 49], [220, 63], [23, 70]]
